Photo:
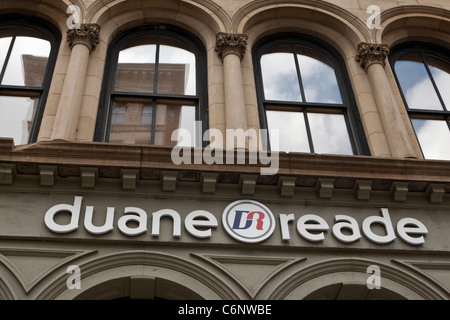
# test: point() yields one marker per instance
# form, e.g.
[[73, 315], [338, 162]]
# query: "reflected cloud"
[[434, 138]]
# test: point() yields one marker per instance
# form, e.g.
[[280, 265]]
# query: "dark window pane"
[[169, 118], [127, 126]]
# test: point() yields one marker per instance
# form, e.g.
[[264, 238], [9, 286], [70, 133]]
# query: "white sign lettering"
[[244, 220]]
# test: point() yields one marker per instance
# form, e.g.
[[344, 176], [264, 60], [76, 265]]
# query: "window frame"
[[420, 48], [103, 124], [52, 35], [348, 107]]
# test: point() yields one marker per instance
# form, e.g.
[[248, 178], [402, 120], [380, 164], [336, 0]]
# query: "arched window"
[[155, 83], [423, 76], [28, 50], [303, 93]]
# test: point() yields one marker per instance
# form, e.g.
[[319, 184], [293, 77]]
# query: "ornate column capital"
[[87, 34], [370, 53], [227, 43]]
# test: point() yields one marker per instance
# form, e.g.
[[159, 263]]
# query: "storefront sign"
[[244, 220]]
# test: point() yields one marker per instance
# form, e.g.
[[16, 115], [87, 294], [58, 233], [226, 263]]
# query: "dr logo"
[[248, 221]]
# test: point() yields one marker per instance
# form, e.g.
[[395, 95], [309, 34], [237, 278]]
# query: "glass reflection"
[[5, 43], [440, 70], [329, 133], [17, 116], [279, 73], [136, 67], [172, 117], [318, 77], [291, 131], [434, 137], [132, 121], [177, 70], [28, 62], [127, 126], [416, 84]]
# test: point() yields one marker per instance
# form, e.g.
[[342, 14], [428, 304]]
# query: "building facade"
[[224, 149]]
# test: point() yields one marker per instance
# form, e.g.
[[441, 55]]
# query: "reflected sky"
[[171, 58], [434, 138], [420, 93], [329, 133], [281, 79], [292, 131], [416, 84], [16, 118], [23, 47]]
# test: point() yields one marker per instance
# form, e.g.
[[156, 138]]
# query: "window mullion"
[[430, 74], [8, 54], [308, 131], [299, 74]]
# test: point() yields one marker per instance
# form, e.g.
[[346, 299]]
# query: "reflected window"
[[152, 95], [304, 95], [27, 57], [423, 76]]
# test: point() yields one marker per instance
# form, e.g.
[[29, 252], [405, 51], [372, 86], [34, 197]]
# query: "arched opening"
[[341, 291], [139, 288]]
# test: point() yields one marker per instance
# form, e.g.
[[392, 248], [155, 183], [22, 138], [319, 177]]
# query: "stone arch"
[[411, 23], [351, 271], [54, 12], [117, 269], [202, 18], [328, 22]]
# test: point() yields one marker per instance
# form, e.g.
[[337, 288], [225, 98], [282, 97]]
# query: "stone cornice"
[[87, 35], [150, 161], [370, 53], [227, 43]]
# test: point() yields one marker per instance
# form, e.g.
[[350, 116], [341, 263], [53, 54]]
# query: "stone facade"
[[65, 162]]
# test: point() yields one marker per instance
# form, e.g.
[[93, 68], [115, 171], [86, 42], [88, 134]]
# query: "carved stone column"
[[231, 49], [82, 41], [372, 57]]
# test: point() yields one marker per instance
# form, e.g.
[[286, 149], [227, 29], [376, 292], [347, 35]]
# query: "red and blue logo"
[[248, 221]]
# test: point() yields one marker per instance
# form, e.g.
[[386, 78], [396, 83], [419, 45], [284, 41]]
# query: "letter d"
[[385, 221], [74, 210]]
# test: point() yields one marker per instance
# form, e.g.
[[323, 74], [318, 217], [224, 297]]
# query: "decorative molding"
[[129, 178], [248, 184], [47, 174], [229, 43], [399, 190], [7, 173], [209, 182], [287, 186], [362, 189], [325, 188], [87, 35], [435, 192], [169, 181], [371, 53]]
